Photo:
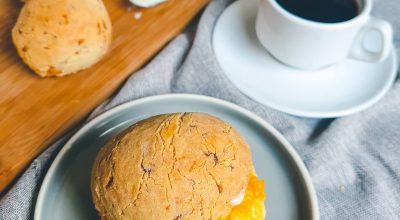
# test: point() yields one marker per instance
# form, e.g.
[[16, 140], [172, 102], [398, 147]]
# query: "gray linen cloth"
[[354, 161]]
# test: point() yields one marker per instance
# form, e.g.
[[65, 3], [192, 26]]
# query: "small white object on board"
[[137, 15]]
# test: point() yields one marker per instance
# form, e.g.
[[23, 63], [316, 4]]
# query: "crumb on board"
[[137, 15]]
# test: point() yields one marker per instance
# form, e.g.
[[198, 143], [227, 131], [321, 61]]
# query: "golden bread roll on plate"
[[177, 166]]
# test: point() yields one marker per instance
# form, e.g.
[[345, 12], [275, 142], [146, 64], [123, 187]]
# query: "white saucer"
[[342, 89]]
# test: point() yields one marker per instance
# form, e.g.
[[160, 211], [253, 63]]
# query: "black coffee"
[[328, 11]]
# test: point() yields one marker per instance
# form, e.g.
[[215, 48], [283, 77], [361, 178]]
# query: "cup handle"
[[385, 31]]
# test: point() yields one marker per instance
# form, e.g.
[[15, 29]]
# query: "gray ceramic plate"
[[65, 192]]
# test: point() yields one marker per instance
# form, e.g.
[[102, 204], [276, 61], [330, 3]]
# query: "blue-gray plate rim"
[[290, 193]]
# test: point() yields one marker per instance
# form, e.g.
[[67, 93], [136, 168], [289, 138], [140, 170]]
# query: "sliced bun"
[[172, 166]]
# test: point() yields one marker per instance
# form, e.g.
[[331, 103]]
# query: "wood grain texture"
[[35, 111]]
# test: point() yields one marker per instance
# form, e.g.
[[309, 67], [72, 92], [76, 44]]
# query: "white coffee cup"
[[312, 45]]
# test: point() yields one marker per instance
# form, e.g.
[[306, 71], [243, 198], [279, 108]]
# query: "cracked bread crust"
[[60, 37], [172, 166]]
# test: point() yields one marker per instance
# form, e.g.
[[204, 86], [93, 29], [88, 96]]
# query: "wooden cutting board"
[[35, 111]]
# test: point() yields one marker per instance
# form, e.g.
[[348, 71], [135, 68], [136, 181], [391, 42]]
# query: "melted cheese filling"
[[251, 206]]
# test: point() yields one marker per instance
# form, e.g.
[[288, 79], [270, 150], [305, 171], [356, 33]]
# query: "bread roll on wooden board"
[[60, 37]]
